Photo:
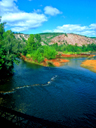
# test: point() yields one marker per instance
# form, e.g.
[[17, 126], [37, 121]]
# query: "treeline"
[[37, 52], [10, 47], [74, 48]]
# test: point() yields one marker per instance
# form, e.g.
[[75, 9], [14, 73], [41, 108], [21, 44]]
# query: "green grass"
[[66, 52]]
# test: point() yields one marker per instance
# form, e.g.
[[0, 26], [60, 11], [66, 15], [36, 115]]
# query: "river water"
[[64, 94]]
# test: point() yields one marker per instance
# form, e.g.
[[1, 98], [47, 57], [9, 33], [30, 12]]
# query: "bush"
[[40, 58], [41, 50], [49, 52], [28, 55], [36, 55]]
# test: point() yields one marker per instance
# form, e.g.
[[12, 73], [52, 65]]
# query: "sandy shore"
[[89, 64]]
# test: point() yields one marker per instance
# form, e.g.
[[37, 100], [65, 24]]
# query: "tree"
[[9, 47], [1, 30], [84, 48], [38, 38], [49, 52], [31, 45], [2, 56]]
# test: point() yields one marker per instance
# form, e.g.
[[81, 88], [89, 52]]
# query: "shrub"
[[41, 50], [49, 52], [28, 55], [36, 55], [40, 58]]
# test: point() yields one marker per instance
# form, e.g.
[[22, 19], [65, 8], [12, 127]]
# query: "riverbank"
[[89, 64], [52, 62], [58, 61], [77, 55]]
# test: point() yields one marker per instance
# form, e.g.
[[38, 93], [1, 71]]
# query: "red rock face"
[[72, 39]]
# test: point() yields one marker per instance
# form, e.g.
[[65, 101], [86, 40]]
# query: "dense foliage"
[[9, 49], [36, 51], [74, 48]]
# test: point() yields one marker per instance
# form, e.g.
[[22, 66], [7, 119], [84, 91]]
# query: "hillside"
[[72, 39], [60, 38], [47, 37]]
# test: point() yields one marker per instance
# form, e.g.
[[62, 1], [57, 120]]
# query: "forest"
[[10, 49]]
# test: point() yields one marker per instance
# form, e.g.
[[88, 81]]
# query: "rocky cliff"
[[72, 39], [61, 39]]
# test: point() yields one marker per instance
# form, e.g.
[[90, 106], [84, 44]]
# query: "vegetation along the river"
[[34, 51]]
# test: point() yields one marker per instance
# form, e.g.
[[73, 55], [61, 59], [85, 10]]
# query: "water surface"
[[65, 94]]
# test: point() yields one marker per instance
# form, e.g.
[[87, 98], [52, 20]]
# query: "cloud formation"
[[77, 29], [51, 11], [24, 21], [19, 20], [7, 6]]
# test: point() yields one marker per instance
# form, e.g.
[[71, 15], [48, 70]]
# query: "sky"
[[38, 16]]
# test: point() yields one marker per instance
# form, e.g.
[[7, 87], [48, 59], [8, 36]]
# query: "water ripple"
[[27, 86]]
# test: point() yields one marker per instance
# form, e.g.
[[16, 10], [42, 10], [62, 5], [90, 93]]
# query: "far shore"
[[58, 61], [89, 64]]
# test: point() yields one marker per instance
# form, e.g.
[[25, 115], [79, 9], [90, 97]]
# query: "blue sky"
[[37, 16]]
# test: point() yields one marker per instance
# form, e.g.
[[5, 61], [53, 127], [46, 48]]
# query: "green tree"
[[38, 38], [49, 52], [31, 45], [2, 56], [84, 48], [9, 48], [1, 32], [37, 56]]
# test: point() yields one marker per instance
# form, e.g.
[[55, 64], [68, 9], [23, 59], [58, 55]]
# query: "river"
[[64, 94]]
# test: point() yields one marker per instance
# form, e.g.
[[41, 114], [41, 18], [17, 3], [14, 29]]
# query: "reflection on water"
[[70, 94]]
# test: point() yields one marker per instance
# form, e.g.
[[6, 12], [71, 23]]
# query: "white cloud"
[[7, 6], [77, 29], [93, 26], [71, 28], [19, 20], [51, 11], [24, 21]]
